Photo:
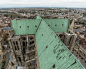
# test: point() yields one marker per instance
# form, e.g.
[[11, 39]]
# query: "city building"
[[40, 44], [1, 55]]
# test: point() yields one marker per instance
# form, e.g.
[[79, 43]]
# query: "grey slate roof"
[[77, 30], [7, 28]]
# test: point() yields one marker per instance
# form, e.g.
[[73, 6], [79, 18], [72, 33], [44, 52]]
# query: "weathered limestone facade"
[[23, 50], [68, 39], [1, 54], [9, 66]]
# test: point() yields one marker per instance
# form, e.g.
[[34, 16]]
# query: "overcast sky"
[[43, 3]]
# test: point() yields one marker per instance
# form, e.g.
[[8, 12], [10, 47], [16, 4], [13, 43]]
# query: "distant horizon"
[[43, 7], [43, 3]]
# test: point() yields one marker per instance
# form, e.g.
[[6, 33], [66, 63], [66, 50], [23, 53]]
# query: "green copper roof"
[[52, 53], [38, 17], [24, 27], [58, 25], [29, 26]]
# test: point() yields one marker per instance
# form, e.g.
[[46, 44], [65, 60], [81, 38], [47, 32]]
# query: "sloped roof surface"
[[38, 17], [29, 26], [77, 30], [57, 25], [52, 53], [24, 27], [7, 28]]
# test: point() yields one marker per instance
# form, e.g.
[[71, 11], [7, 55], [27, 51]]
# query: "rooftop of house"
[[77, 30], [7, 28]]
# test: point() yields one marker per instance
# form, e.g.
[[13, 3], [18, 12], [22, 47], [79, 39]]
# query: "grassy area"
[[3, 63]]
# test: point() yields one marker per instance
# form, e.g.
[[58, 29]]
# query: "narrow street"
[[7, 59]]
